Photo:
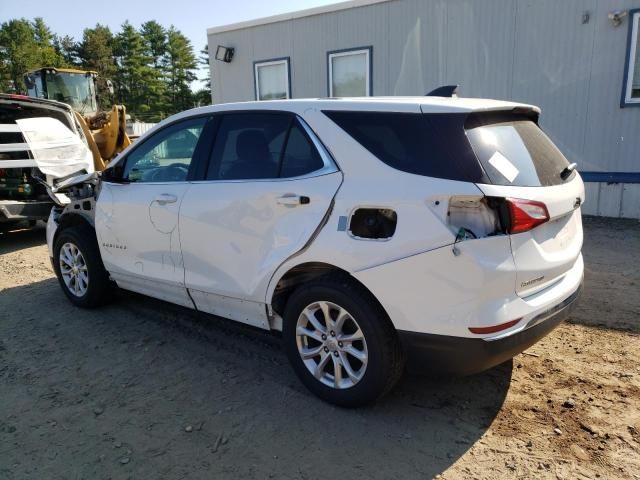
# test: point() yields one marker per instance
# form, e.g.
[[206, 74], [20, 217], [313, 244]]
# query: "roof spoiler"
[[444, 91]]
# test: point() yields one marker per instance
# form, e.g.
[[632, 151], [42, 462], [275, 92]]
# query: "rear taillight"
[[525, 214]]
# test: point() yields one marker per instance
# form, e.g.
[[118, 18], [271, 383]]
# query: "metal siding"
[[416, 62], [366, 27], [552, 60], [610, 198], [612, 134], [630, 200], [480, 41], [235, 79], [312, 40], [591, 196], [272, 41], [534, 51]]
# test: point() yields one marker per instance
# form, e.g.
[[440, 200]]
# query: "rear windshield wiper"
[[564, 174]]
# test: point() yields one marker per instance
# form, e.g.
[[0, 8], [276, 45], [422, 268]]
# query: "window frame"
[[286, 61], [631, 58], [330, 166], [203, 146], [368, 50]]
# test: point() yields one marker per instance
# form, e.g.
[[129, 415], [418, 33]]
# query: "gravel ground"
[[144, 389]]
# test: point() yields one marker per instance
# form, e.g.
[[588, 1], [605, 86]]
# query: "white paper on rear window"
[[56, 150], [507, 169]]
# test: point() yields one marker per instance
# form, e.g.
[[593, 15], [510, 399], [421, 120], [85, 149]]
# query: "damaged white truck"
[[445, 231], [40, 142]]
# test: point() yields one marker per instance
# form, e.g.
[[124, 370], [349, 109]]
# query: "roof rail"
[[444, 91]]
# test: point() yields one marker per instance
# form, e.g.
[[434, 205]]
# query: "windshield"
[[76, 89]]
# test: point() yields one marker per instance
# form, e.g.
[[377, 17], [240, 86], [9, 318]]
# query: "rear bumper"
[[429, 353], [11, 211]]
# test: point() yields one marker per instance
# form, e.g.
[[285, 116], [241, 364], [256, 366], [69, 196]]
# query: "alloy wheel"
[[331, 345], [73, 269]]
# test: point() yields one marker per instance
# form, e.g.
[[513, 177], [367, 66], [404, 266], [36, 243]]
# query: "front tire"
[[340, 342], [79, 268]]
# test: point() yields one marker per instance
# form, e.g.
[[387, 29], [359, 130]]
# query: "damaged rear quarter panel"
[[420, 203], [439, 292]]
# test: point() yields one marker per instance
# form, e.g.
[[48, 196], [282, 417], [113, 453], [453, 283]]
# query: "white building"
[[579, 60]]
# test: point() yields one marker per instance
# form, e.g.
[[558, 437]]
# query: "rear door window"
[[261, 145], [300, 155], [248, 146], [517, 152]]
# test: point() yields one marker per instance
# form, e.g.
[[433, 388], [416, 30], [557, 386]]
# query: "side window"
[[248, 146], [350, 72], [432, 145], [300, 155], [260, 145], [272, 79], [165, 156], [631, 90]]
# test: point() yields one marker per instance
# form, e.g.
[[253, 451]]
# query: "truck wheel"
[[79, 268], [340, 342]]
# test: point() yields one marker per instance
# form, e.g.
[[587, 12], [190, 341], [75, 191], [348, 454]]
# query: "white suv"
[[446, 230]]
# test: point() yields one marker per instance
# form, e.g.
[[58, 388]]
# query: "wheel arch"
[[71, 219], [280, 290]]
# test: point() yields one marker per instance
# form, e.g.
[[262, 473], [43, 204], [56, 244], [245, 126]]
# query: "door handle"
[[165, 198], [293, 200]]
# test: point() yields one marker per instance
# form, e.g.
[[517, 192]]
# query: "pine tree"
[[96, 53], [68, 49], [181, 65], [155, 38], [47, 56], [132, 68], [203, 95], [155, 43], [152, 69]]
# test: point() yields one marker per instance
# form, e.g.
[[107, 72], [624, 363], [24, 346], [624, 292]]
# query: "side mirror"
[[112, 175], [110, 86]]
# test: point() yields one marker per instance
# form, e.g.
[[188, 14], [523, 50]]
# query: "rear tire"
[[79, 268], [359, 342]]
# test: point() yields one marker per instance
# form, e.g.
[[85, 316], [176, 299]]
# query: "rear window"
[[501, 148], [515, 151], [429, 145]]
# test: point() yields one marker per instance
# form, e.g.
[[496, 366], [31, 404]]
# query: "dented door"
[[137, 212], [137, 230]]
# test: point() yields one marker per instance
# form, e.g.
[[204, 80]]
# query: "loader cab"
[[74, 87]]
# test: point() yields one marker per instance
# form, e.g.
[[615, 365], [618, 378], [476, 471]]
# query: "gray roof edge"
[[335, 7]]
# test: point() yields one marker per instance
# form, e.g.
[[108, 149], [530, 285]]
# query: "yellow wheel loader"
[[105, 131]]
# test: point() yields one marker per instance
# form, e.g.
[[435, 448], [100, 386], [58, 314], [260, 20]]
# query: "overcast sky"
[[191, 17]]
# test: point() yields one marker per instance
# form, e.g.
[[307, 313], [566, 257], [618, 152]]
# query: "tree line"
[[152, 68]]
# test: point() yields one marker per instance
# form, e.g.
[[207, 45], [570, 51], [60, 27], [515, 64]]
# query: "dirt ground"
[[144, 389]]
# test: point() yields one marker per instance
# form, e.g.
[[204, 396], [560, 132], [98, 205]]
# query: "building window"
[[273, 81], [349, 72], [631, 88]]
